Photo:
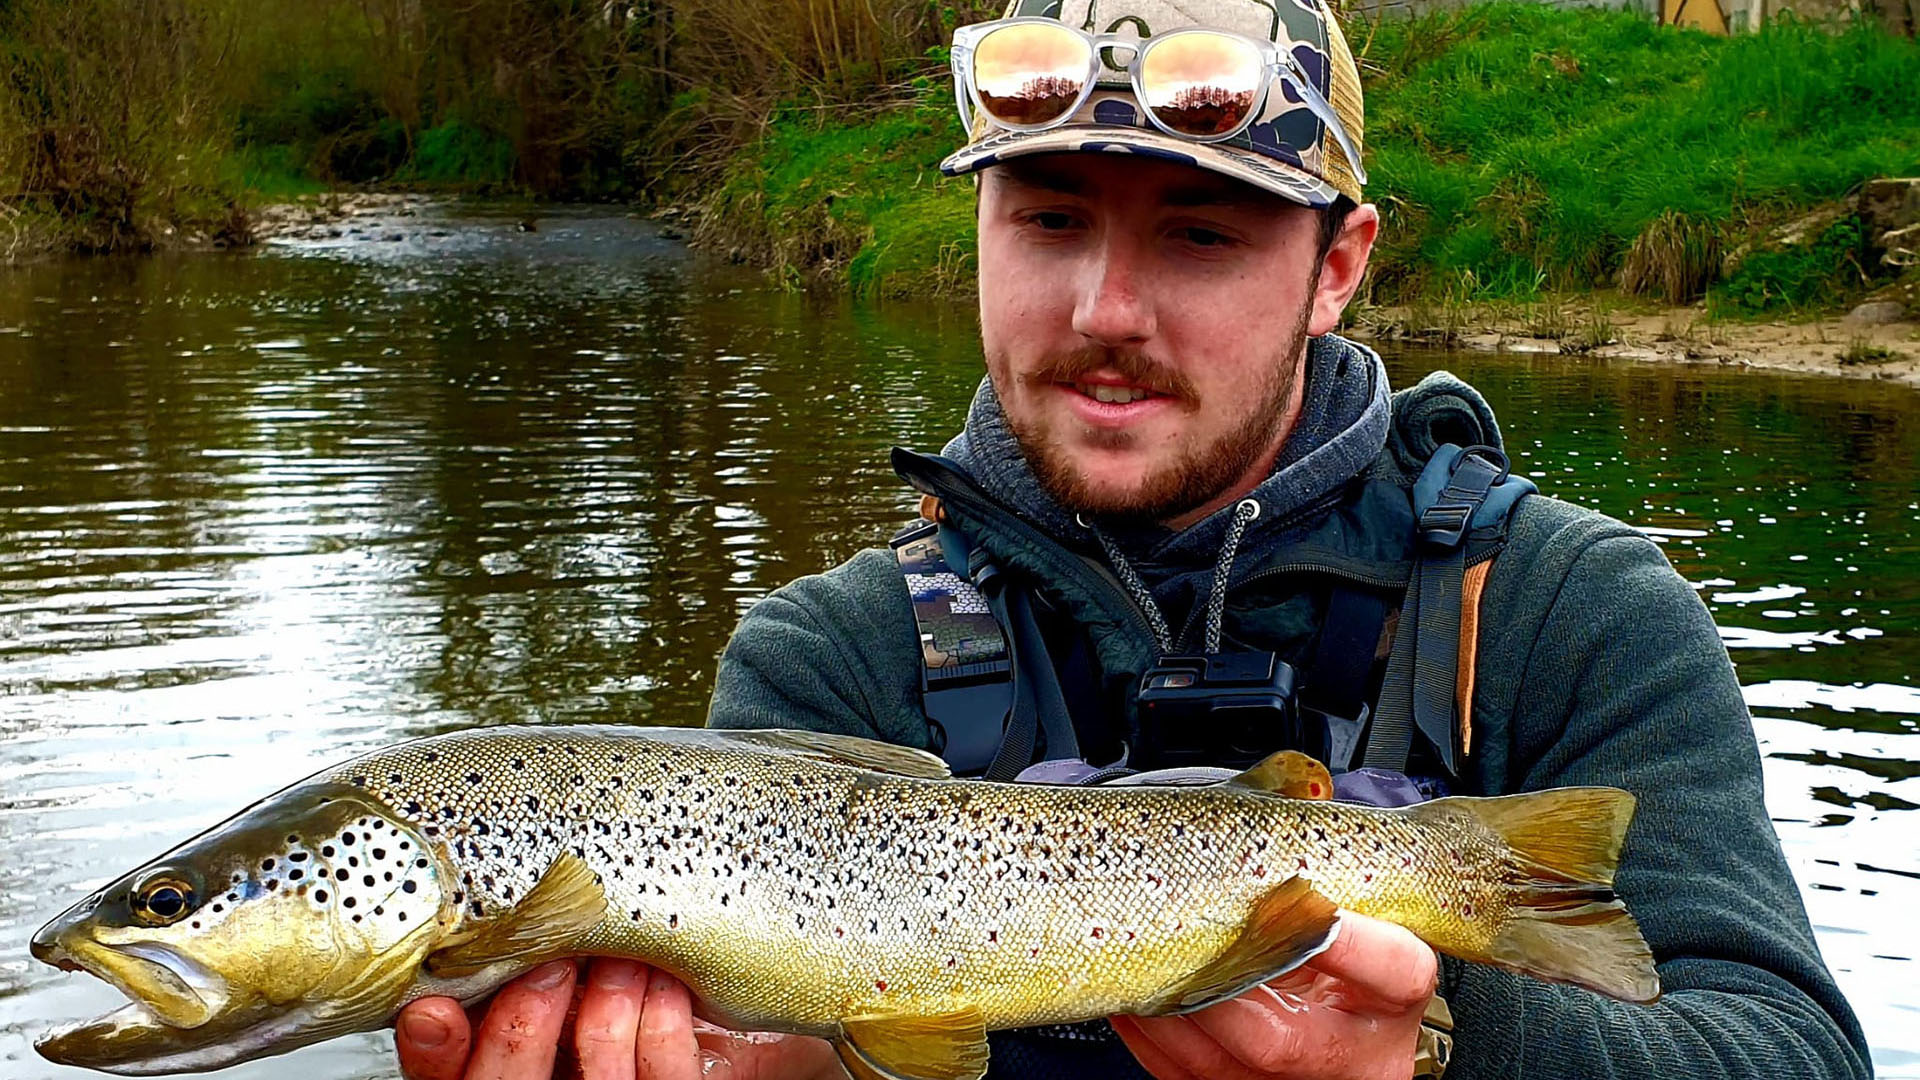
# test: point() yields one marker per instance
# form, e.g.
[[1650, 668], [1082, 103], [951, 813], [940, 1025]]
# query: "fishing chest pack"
[[990, 686]]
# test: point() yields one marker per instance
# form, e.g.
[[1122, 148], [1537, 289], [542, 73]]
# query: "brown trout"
[[813, 884]]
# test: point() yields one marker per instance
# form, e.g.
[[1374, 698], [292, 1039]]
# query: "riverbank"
[[1604, 327], [1519, 152]]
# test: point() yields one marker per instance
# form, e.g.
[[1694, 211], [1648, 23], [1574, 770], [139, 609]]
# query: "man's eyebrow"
[[1231, 197], [1039, 177]]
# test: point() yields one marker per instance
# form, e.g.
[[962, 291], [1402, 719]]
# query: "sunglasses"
[[1196, 83]]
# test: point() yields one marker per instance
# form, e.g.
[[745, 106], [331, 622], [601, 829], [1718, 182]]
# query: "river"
[[261, 511]]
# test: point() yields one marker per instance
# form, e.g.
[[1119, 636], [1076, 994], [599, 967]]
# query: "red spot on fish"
[[1129, 935], [993, 935], [880, 985], [1313, 789], [1303, 862], [1035, 951], [1466, 910], [1096, 931], [1260, 871], [839, 933], [1369, 878], [1153, 879]]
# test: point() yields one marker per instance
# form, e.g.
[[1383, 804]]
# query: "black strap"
[[966, 671], [1423, 669], [1340, 673]]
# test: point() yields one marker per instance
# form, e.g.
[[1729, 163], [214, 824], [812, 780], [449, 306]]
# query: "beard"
[[1195, 473]]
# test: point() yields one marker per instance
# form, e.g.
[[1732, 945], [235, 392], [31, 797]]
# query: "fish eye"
[[163, 900]]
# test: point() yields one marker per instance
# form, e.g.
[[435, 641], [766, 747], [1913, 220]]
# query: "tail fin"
[[1564, 921]]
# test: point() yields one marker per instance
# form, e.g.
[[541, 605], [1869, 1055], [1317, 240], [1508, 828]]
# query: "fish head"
[[304, 917]]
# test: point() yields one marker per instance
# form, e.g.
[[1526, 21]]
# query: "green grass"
[[1515, 149], [863, 202], [1526, 144]]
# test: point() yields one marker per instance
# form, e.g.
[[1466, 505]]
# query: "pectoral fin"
[[566, 902], [1287, 927], [950, 1046], [1289, 773]]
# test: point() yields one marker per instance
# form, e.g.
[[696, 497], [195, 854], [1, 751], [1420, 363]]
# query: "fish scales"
[[806, 883], [791, 894]]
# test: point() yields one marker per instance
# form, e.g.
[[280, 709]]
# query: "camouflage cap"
[[1285, 150]]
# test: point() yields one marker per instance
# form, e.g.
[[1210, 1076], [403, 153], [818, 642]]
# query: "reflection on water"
[[260, 512]]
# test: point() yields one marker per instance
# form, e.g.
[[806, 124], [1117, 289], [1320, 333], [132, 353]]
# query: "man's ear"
[[1343, 269]]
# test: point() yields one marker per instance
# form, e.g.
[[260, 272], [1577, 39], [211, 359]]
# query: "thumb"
[[433, 1038]]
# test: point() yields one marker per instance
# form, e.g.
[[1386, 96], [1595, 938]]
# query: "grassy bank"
[[1516, 149], [126, 122]]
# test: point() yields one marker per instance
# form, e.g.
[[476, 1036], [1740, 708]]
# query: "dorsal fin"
[[819, 746], [1288, 926], [566, 902], [946, 1046], [1289, 773]]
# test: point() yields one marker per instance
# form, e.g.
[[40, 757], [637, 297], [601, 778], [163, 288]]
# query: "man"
[[1173, 453]]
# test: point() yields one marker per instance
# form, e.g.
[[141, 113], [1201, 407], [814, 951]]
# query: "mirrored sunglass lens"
[[1201, 84], [1030, 73]]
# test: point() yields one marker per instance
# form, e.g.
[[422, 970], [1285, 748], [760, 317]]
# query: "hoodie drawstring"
[[1243, 514]]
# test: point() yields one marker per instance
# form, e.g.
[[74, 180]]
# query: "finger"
[[759, 1055], [666, 1047], [1156, 1061], [1271, 1038], [1380, 960], [519, 1037], [609, 1020], [1189, 1048], [432, 1036]]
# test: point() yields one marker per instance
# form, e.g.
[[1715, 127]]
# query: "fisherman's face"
[[1182, 297]]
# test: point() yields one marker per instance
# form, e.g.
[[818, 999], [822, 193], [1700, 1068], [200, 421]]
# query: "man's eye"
[[1199, 237], [1051, 220]]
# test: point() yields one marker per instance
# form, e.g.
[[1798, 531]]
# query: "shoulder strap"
[[1339, 675], [1458, 491], [966, 673]]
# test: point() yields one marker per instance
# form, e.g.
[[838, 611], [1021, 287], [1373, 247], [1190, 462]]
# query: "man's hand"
[[633, 1023], [1352, 1012]]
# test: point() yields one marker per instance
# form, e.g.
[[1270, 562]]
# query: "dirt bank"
[[1833, 345]]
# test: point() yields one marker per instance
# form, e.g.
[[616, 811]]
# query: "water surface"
[[259, 512]]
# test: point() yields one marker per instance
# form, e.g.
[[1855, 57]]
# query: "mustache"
[[1131, 364]]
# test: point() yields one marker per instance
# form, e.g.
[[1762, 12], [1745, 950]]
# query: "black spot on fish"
[[476, 908], [320, 895], [408, 886], [294, 875], [346, 838], [349, 901]]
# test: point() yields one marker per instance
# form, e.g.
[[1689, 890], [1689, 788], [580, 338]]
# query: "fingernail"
[[613, 974], [548, 976], [426, 1032]]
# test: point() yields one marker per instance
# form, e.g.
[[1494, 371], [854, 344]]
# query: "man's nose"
[[1114, 309]]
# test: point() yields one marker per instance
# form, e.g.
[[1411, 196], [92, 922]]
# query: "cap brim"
[[1247, 166]]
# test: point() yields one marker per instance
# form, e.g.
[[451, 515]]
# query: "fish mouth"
[[173, 988], [166, 1026]]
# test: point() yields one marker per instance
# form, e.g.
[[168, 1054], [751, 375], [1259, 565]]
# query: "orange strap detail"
[[930, 508], [1471, 586]]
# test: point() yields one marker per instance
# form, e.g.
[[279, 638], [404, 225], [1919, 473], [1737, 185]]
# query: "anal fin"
[[1288, 926], [1289, 773], [566, 902], [948, 1046]]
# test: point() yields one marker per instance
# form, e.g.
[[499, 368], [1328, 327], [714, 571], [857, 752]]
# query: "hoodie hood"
[[1345, 422]]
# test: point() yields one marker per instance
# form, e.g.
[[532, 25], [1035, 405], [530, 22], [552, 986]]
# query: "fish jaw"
[[132, 1041], [171, 988]]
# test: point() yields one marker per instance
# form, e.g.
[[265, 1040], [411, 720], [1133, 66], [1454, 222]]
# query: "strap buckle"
[[1473, 474]]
